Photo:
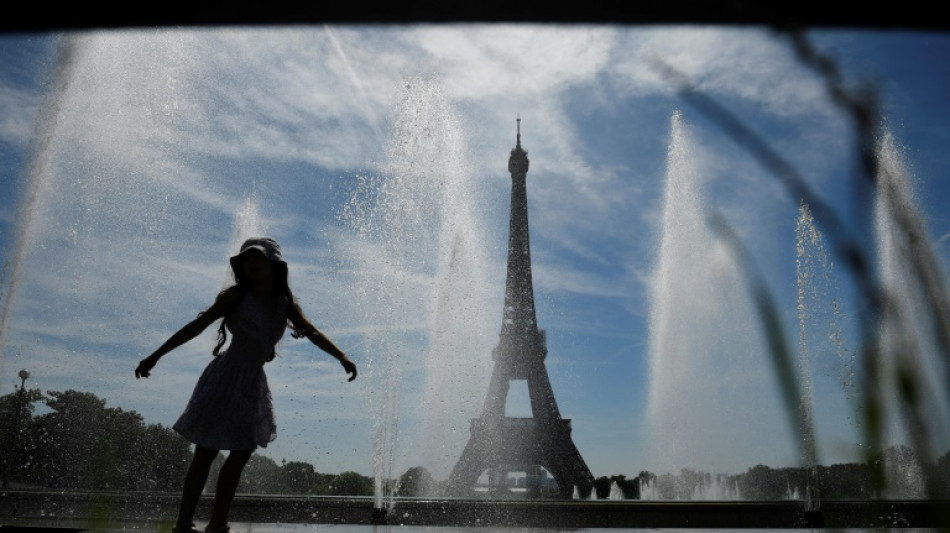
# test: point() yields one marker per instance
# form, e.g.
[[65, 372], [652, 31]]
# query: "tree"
[[297, 477], [629, 487], [72, 438], [903, 473], [82, 444], [261, 475], [851, 481], [602, 487], [417, 482], [324, 485], [645, 480], [352, 484], [16, 428], [763, 483], [942, 476]]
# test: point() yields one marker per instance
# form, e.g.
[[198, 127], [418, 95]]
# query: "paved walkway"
[[238, 527]]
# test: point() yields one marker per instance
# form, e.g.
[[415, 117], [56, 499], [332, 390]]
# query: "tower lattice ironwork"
[[500, 444]]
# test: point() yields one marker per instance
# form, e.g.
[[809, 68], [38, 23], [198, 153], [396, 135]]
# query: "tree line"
[[79, 443], [903, 473]]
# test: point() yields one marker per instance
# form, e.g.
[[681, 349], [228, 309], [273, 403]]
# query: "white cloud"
[[18, 113], [492, 61], [749, 64]]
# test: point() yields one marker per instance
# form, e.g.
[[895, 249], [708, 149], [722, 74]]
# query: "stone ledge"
[[113, 507]]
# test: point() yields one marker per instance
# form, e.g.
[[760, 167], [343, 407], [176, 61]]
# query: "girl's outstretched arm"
[[222, 304], [307, 329]]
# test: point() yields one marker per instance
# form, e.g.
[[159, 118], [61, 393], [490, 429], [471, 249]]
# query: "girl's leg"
[[228, 480], [194, 485]]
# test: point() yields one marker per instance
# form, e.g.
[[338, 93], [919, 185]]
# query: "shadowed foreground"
[[156, 511]]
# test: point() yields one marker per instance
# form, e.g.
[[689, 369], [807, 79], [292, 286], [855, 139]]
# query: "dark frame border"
[[38, 17]]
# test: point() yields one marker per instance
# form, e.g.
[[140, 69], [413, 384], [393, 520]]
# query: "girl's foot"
[[190, 528]]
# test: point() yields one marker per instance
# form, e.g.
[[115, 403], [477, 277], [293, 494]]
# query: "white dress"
[[231, 407]]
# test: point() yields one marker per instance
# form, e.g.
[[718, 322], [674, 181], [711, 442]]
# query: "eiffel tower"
[[502, 444]]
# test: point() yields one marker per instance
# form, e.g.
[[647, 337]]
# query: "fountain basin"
[[145, 509]]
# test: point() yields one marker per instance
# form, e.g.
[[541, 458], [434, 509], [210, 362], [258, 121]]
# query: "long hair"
[[281, 288]]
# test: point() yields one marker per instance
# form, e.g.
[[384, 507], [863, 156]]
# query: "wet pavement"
[[246, 527], [69, 512]]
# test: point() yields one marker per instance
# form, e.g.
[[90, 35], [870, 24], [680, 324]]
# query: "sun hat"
[[265, 245]]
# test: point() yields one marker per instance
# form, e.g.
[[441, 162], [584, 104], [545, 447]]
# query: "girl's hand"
[[144, 368], [349, 366]]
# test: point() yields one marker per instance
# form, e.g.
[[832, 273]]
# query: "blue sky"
[[377, 157]]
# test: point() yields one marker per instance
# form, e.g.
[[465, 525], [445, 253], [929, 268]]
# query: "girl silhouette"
[[231, 407]]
